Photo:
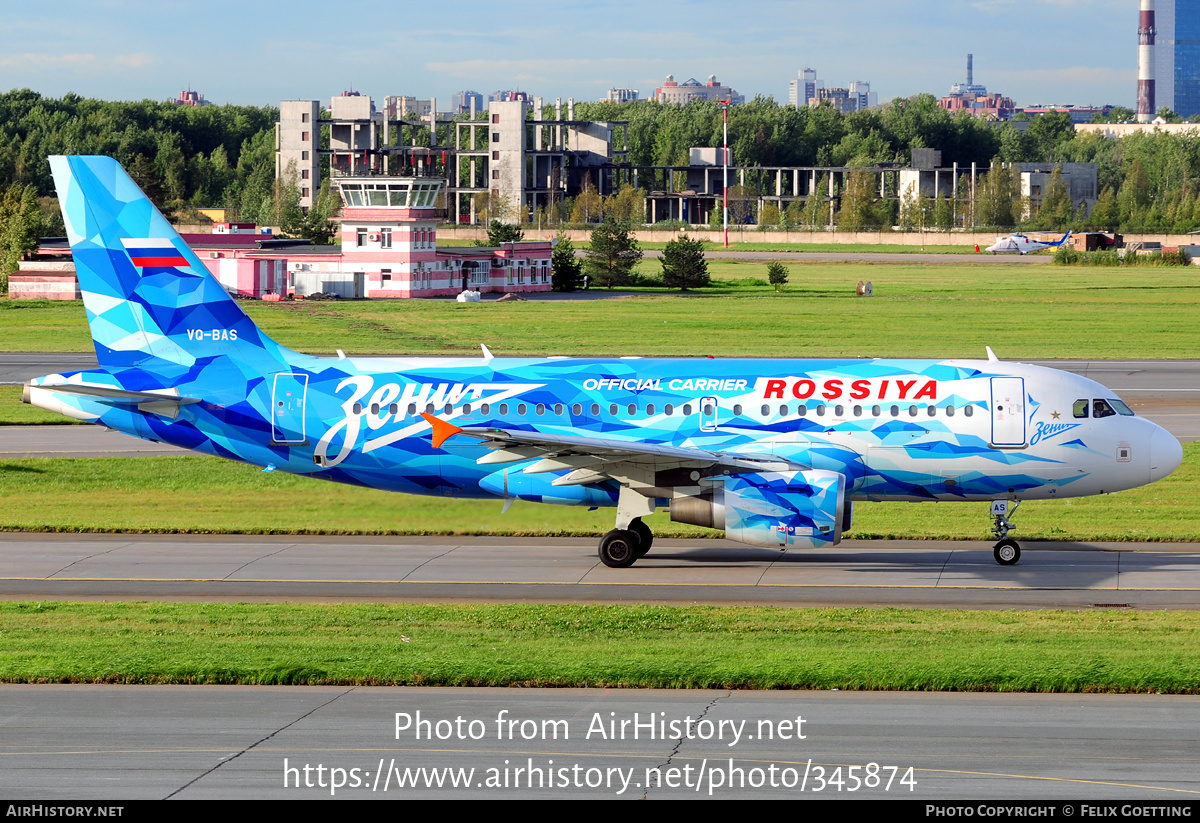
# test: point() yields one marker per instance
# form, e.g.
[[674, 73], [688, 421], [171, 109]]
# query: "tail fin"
[[149, 299]]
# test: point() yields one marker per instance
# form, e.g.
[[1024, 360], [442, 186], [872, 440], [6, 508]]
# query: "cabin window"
[[668, 410], [394, 409], [912, 411], [708, 409], [412, 408], [358, 408], [949, 411], [932, 411], [737, 410], [504, 408], [374, 408], [466, 409], [521, 409], [687, 408], [576, 409], [1100, 408], [800, 410], [766, 411], [649, 408], [968, 410], [595, 409], [613, 409], [540, 408], [783, 411], [1080, 408], [449, 407], [876, 411], [631, 409], [858, 411], [558, 408], [821, 410], [839, 410], [486, 408], [429, 408]]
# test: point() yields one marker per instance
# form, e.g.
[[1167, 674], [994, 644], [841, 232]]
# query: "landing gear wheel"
[[645, 537], [619, 549], [1007, 552]]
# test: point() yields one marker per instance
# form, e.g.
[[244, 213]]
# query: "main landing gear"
[[631, 539], [1006, 551], [620, 548]]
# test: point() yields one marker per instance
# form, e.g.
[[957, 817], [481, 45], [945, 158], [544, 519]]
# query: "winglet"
[[487, 353], [991, 354], [442, 431]]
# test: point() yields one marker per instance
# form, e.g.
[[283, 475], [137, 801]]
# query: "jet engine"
[[778, 510]]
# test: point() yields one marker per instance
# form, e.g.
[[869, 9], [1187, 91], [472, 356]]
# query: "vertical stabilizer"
[[149, 299]]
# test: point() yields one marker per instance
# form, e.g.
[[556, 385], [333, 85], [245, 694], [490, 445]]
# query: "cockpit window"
[[1080, 407], [1100, 408], [1121, 408]]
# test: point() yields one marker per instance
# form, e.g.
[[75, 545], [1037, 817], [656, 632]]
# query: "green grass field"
[[737, 243], [1023, 312], [599, 646], [206, 494]]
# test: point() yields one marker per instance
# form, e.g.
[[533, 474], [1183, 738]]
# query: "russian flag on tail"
[[153, 252]]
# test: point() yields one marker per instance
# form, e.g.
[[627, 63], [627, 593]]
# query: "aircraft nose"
[[1165, 453]]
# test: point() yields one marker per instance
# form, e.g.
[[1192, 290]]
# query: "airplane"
[[775, 452], [1022, 244]]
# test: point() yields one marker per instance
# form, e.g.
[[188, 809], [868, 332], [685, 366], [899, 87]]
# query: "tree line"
[[224, 156]]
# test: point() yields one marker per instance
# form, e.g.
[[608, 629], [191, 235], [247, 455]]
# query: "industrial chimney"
[[970, 72], [1146, 108]]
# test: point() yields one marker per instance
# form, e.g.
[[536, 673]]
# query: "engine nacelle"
[[777, 510]]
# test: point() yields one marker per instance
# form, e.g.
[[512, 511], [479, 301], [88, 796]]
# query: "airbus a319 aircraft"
[[774, 452]]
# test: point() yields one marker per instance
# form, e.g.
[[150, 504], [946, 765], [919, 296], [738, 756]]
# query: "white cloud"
[[84, 60], [14, 61]]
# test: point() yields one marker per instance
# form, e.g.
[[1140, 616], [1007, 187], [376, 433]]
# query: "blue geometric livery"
[[774, 452]]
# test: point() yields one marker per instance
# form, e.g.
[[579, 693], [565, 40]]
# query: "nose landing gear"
[[1006, 551]]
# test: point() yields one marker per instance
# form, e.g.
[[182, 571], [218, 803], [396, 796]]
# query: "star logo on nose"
[[1054, 415]]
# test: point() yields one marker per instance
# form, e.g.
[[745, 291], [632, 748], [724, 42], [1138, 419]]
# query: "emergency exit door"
[[287, 408]]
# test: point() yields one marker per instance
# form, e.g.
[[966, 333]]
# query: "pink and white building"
[[388, 249]]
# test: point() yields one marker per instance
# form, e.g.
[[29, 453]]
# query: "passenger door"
[[1008, 412]]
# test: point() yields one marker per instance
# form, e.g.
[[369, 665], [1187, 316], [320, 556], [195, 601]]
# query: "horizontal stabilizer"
[[119, 395]]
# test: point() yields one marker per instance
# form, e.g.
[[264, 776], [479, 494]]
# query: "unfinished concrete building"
[[297, 146], [506, 159]]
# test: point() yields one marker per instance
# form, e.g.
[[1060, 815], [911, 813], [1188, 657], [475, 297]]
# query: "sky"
[[1034, 51]]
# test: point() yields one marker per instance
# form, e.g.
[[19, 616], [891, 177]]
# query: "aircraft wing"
[[595, 458]]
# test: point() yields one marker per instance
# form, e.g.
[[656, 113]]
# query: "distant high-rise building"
[[975, 98], [691, 89], [969, 87], [508, 96], [403, 105], [861, 94], [190, 98], [804, 88], [1175, 43], [622, 95], [460, 102]]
